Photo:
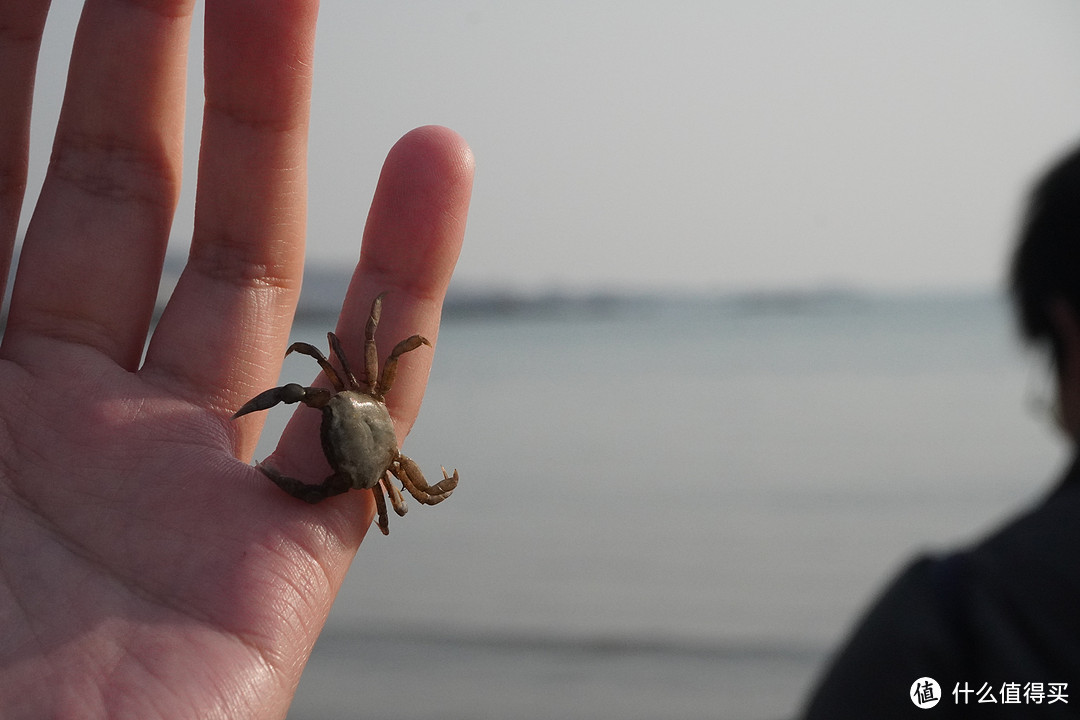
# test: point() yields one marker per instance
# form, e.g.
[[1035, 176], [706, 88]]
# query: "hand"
[[146, 569]]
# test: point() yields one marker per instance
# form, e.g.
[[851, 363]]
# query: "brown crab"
[[357, 432]]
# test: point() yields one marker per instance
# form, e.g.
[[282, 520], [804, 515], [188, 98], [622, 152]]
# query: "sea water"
[[674, 509]]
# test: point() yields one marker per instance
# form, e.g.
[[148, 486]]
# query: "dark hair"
[[1046, 264]]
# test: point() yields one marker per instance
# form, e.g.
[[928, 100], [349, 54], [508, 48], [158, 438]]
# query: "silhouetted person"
[[997, 625]]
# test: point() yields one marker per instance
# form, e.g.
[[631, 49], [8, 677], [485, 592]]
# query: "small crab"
[[357, 432]]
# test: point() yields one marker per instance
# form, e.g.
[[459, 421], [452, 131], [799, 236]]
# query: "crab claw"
[[290, 393]]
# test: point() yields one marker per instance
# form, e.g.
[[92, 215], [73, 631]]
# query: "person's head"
[[1045, 279]]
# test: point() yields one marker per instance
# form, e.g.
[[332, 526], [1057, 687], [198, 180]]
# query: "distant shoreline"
[[324, 290]]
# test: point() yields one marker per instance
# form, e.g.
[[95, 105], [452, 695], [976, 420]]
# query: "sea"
[[674, 507]]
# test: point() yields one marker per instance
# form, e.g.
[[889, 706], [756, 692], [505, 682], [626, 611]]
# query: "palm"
[[146, 569], [126, 555]]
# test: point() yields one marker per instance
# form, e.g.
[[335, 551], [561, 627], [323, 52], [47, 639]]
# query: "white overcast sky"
[[695, 145]]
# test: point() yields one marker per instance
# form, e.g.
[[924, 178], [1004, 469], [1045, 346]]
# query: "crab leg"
[[335, 347], [389, 371], [396, 500], [333, 485], [380, 505], [371, 353], [311, 351], [410, 476]]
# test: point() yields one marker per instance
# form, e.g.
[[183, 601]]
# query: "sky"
[[713, 145]]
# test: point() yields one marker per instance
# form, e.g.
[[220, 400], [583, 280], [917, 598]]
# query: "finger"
[[92, 256], [411, 242], [237, 294], [21, 25]]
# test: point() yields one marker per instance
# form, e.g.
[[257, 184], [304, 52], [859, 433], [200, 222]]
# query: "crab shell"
[[358, 437]]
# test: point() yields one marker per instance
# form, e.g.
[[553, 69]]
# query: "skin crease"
[[146, 569]]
